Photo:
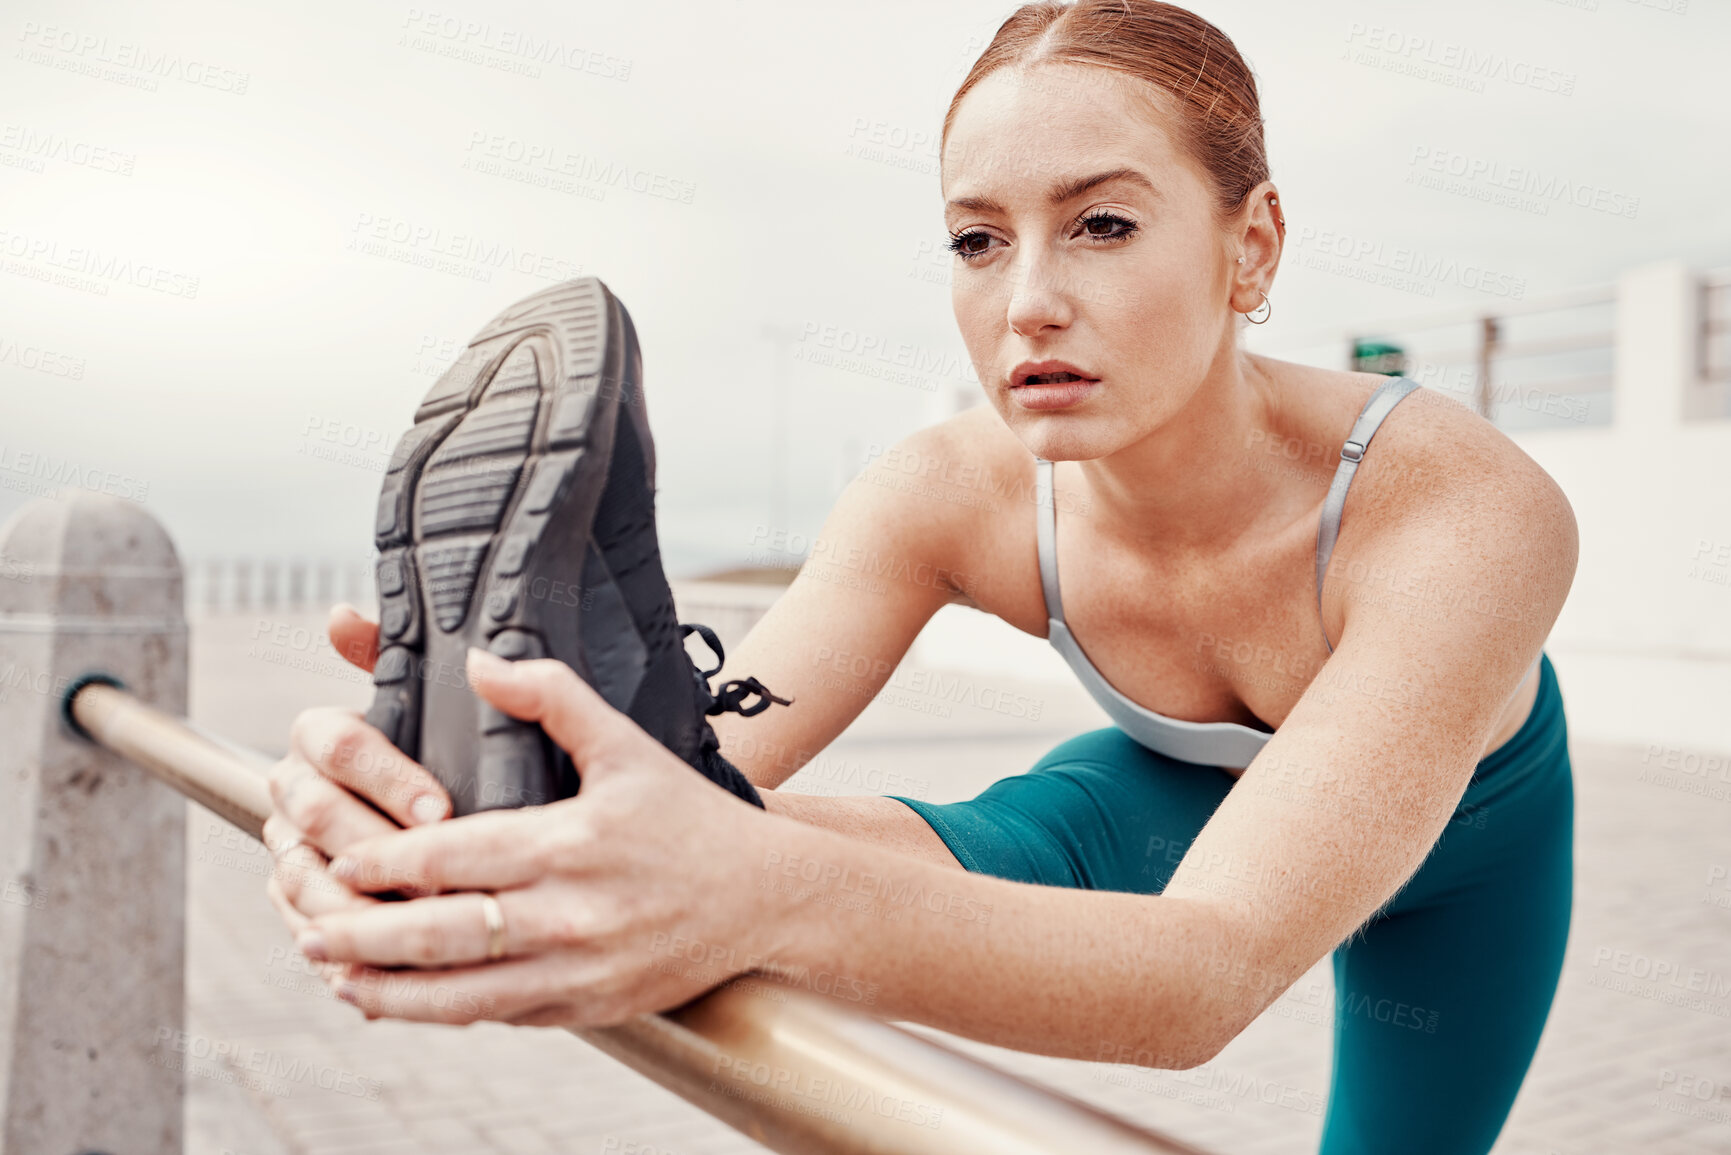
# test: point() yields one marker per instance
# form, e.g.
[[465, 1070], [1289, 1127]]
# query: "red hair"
[[1184, 56]]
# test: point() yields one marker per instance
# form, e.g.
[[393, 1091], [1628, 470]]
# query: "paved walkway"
[[1637, 1056]]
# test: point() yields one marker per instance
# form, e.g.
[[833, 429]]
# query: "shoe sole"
[[483, 532]]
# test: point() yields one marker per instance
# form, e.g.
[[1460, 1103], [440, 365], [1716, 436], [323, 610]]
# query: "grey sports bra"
[[1209, 743]]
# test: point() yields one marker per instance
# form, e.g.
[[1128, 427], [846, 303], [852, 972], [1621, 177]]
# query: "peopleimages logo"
[[463, 254], [507, 49], [786, 1088], [1365, 259], [35, 256], [41, 360], [882, 358], [1661, 980], [1486, 179], [36, 147], [242, 1064], [44, 475], [495, 154], [135, 65], [1458, 65]]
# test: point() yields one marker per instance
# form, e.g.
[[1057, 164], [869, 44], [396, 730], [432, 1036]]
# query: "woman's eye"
[[968, 245], [1107, 227]]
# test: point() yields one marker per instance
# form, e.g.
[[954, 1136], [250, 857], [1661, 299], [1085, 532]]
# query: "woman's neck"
[[1190, 483]]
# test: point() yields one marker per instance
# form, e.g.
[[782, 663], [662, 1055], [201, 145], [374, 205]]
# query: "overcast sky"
[[278, 182]]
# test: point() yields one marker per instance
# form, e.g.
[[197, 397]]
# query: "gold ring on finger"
[[495, 916]]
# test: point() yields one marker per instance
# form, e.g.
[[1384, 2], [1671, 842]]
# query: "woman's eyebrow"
[[975, 205], [1076, 187], [1061, 192]]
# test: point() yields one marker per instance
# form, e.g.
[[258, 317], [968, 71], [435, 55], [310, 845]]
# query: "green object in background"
[[1378, 357]]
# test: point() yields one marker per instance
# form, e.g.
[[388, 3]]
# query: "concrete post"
[[92, 851]]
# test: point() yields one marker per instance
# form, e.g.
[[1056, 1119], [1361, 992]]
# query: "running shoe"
[[518, 515]]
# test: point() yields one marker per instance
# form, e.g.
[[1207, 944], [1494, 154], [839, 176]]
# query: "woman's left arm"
[[651, 886], [1444, 600]]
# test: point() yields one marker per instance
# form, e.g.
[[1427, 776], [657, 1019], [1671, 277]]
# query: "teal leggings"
[[1438, 1003]]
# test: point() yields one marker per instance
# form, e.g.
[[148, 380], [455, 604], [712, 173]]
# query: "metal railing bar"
[[836, 1082]]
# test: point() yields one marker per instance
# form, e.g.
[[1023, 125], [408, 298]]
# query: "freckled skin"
[[1172, 528]]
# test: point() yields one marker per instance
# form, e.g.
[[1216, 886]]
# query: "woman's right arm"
[[885, 561]]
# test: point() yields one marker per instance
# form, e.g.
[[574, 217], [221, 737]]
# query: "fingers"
[[502, 990], [353, 637], [351, 753], [313, 806], [295, 919], [492, 850], [312, 892], [300, 911], [443, 931], [296, 922], [279, 836], [300, 878], [551, 693]]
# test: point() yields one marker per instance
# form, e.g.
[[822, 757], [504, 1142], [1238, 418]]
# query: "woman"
[[1374, 764]]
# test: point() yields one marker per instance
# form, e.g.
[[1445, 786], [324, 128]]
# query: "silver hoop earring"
[[1266, 309]]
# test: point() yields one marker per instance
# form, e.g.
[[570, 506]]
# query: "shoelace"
[[734, 693]]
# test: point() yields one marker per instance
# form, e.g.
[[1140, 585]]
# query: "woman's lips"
[[1056, 395]]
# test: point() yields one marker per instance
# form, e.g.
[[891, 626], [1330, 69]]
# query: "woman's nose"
[[1037, 300]]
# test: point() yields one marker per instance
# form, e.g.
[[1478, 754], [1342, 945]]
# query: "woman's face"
[[1091, 277]]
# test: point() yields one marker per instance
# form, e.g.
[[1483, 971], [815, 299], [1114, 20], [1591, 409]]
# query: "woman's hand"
[[602, 894], [336, 786], [341, 781]]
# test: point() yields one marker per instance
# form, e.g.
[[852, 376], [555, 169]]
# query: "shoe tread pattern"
[[497, 442]]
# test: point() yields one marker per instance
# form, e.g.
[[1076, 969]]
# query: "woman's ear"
[[1260, 238]]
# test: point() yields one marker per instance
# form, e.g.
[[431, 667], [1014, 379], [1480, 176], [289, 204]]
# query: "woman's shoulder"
[[975, 436], [965, 464], [959, 493], [1442, 494], [1430, 450]]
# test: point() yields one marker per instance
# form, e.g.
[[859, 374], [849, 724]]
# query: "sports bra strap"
[[1381, 402], [1384, 399], [1046, 536]]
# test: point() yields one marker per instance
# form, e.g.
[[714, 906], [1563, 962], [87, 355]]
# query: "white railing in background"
[[1540, 364], [251, 585], [218, 585]]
